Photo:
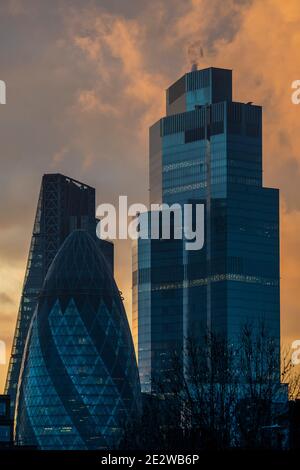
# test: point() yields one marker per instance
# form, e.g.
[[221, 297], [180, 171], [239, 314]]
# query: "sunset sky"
[[85, 79]]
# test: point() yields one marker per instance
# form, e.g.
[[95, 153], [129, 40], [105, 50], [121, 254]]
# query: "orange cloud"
[[89, 101], [101, 73], [10, 275], [290, 277], [115, 46]]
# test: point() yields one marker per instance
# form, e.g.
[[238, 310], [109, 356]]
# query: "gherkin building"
[[79, 386]]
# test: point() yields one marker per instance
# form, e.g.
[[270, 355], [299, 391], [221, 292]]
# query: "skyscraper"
[[64, 205], [208, 149], [79, 382]]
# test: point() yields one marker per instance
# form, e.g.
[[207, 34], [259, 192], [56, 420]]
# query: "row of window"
[[214, 278]]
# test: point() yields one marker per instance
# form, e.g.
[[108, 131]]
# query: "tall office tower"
[[64, 205], [208, 149]]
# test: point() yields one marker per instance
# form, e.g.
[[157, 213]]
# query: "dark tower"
[[6, 422], [207, 149], [64, 205]]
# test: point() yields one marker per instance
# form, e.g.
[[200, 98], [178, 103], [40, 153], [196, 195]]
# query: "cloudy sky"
[[85, 79]]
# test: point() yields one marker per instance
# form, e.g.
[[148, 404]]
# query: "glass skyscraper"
[[64, 205], [79, 383], [207, 149]]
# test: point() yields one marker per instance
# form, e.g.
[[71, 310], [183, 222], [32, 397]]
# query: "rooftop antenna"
[[195, 54]]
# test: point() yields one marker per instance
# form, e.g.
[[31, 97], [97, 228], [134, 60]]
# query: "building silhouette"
[[79, 382], [64, 205], [6, 423], [207, 149]]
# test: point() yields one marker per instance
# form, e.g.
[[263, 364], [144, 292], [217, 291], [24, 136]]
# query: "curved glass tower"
[[64, 205], [79, 381]]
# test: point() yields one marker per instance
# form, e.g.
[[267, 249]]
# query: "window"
[[4, 433], [2, 408]]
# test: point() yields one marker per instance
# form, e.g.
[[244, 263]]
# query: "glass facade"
[[79, 382], [64, 205], [208, 149]]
